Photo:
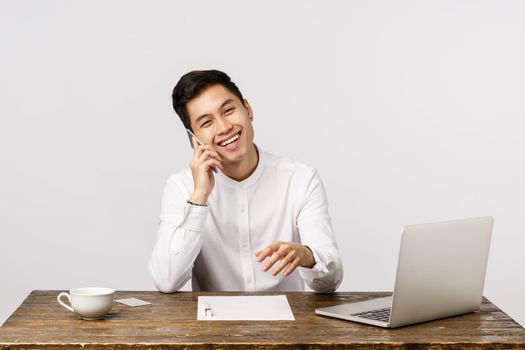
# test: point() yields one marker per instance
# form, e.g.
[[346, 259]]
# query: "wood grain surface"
[[170, 322]]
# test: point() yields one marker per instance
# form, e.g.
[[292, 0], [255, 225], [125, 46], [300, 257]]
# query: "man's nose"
[[223, 125]]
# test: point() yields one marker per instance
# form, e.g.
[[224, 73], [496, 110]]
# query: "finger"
[[292, 266], [208, 154], [216, 163], [258, 252], [264, 253], [219, 164], [273, 259], [287, 259], [209, 164], [194, 142], [278, 255], [204, 157], [198, 148], [207, 147]]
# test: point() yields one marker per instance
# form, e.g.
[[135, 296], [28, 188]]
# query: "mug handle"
[[64, 294]]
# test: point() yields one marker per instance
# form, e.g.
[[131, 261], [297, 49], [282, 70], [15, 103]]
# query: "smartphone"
[[190, 137]]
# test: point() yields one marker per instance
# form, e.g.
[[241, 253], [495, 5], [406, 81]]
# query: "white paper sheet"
[[132, 302], [248, 308]]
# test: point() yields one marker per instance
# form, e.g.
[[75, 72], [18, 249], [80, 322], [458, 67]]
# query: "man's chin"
[[230, 159], [233, 156]]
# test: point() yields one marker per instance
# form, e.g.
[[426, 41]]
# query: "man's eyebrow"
[[206, 115], [201, 117], [226, 102]]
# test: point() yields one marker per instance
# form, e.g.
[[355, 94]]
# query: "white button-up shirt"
[[215, 245]]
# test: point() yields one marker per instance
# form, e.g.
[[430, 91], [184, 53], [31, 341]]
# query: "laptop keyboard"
[[382, 315]]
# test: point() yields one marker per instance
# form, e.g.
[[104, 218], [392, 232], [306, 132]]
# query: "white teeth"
[[227, 142]]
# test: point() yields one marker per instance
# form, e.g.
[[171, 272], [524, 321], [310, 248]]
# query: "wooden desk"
[[171, 322]]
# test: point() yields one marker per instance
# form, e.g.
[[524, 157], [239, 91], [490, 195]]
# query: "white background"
[[412, 111]]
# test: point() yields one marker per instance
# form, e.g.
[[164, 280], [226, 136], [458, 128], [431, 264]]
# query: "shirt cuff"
[[319, 270], [195, 217]]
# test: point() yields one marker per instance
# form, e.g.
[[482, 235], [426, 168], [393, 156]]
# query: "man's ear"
[[248, 108]]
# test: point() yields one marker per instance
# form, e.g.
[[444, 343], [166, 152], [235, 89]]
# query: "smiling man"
[[239, 218]]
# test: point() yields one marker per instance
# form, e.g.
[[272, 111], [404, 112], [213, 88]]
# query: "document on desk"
[[245, 308]]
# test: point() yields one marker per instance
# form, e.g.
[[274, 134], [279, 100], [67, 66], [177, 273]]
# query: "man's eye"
[[229, 110], [206, 123]]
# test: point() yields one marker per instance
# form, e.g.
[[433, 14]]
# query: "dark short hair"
[[192, 84]]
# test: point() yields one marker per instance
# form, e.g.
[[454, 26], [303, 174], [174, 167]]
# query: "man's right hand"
[[205, 157]]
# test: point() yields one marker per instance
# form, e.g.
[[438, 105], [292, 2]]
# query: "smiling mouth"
[[230, 140]]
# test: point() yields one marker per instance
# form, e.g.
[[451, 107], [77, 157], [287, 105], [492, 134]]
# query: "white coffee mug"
[[90, 303]]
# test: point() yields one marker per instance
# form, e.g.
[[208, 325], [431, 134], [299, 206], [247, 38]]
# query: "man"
[[239, 218]]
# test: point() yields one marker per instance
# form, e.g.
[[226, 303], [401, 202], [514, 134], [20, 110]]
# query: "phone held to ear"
[[192, 135]]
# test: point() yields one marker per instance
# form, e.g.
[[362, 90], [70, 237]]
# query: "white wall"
[[412, 111]]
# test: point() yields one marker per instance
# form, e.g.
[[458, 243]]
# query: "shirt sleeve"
[[315, 229], [178, 238]]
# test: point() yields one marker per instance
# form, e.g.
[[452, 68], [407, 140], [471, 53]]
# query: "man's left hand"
[[291, 255]]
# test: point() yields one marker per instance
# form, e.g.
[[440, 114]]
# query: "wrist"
[[196, 204], [310, 260], [198, 199]]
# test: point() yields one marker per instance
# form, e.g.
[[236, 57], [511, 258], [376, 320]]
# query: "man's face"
[[219, 118]]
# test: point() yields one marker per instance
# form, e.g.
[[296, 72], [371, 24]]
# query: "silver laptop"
[[440, 273]]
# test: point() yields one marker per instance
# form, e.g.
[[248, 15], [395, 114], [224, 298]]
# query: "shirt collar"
[[250, 179]]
